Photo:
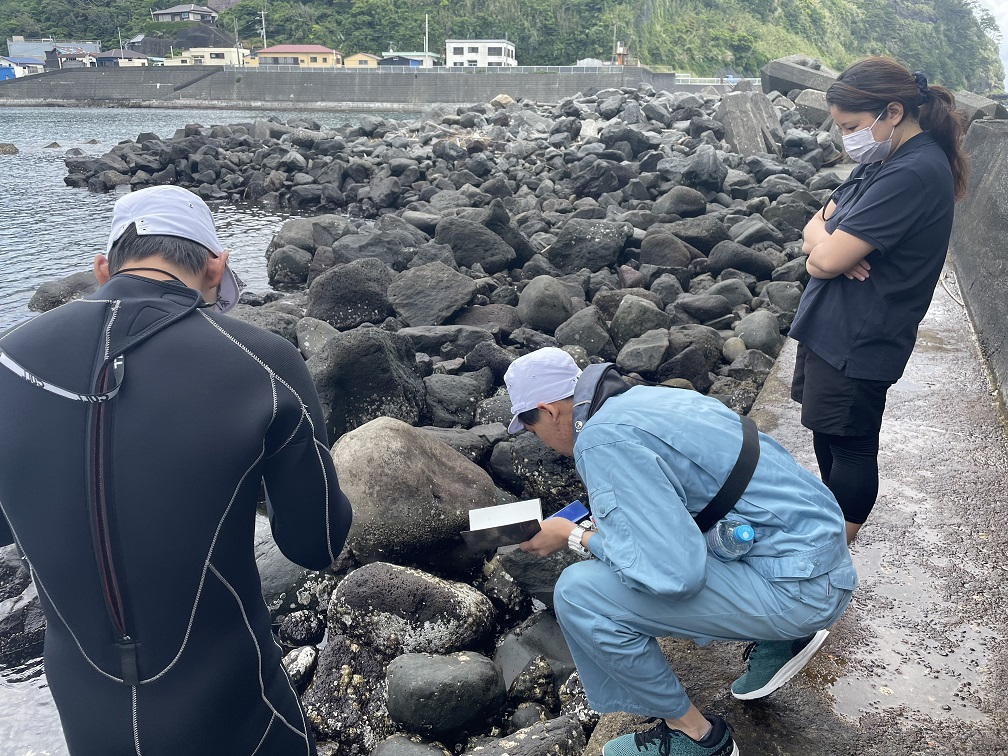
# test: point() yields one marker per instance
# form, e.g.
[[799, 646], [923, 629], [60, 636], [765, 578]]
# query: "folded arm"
[[833, 254]]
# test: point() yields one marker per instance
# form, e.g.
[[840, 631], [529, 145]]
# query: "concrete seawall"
[[978, 248], [315, 88]]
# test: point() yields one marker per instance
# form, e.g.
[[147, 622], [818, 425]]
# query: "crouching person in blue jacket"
[[652, 458]]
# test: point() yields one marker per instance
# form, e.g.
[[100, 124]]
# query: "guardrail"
[[476, 71], [453, 70], [687, 79]]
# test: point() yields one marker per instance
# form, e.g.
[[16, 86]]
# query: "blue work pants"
[[612, 629]]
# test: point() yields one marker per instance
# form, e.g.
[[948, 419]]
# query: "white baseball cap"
[[174, 211], [543, 376]]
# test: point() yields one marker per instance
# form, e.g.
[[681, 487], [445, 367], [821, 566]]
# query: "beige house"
[[361, 60], [210, 56], [305, 56]]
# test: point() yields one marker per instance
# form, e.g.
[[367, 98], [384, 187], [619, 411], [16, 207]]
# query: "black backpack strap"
[[737, 480]]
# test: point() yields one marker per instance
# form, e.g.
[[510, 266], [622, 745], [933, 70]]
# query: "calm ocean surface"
[[47, 231]]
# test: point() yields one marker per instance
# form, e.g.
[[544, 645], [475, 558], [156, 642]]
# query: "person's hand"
[[858, 271], [551, 539]]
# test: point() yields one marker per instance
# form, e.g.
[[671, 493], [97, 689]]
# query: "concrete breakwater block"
[[977, 245]]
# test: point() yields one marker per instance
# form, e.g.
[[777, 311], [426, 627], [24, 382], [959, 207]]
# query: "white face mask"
[[862, 147]]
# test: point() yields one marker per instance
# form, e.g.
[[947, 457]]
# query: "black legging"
[[849, 466]]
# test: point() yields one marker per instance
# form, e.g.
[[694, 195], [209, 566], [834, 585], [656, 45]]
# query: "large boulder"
[[364, 374], [563, 736], [352, 294], [452, 399], [288, 267], [751, 123], [587, 329], [276, 321], [635, 317], [474, 243], [544, 304], [703, 232], [400, 610], [439, 696], [345, 701], [411, 495], [430, 294], [588, 244], [730, 254], [54, 293], [386, 246], [761, 330]]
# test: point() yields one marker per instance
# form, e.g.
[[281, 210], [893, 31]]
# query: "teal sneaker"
[[662, 740], [770, 664]]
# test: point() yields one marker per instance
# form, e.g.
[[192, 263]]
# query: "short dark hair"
[[529, 417], [183, 253]]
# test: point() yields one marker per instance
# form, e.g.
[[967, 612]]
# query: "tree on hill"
[[953, 41]]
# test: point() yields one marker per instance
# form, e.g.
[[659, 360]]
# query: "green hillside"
[[954, 41]]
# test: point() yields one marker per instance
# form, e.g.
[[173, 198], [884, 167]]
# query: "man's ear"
[[214, 270], [101, 269], [552, 409]]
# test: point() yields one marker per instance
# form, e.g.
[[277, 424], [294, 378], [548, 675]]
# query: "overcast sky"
[[999, 8]]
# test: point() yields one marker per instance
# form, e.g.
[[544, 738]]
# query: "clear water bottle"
[[730, 539]]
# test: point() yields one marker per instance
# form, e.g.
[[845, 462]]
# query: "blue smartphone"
[[575, 512]]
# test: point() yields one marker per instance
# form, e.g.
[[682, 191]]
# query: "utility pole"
[[264, 24], [426, 32], [241, 60], [120, 41], [613, 58]]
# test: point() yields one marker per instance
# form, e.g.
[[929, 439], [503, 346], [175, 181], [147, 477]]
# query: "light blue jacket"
[[652, 457]]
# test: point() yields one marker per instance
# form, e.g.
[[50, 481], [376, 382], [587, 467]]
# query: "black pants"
[[849, 467], [844, 415]]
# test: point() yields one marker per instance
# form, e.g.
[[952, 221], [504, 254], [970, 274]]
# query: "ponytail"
[[938, 115], [872, 83]]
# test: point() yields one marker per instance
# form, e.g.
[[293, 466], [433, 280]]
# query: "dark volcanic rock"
[[54, 293], [441, 696], [346, 699], [430, 294], [399, 610], [349, 295], [588, 244], [366, 373], [474, 243]]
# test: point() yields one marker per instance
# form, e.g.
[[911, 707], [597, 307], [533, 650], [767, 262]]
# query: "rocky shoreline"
[[659, 231]]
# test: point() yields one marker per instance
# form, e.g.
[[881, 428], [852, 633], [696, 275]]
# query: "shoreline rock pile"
[[657, 230]]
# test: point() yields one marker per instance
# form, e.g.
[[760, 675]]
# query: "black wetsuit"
[[129, 480]]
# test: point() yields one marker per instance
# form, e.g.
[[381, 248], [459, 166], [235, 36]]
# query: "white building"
[[210, 56], [479, 53], [21, 66]]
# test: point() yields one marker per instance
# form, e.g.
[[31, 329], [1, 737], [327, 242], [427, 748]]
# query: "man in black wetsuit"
[[136, 426]]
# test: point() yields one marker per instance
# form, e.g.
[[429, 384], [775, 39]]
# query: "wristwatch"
[[574, 541]]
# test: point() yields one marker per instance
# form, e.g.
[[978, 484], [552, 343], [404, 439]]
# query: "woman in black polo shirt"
[[875, 253]]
